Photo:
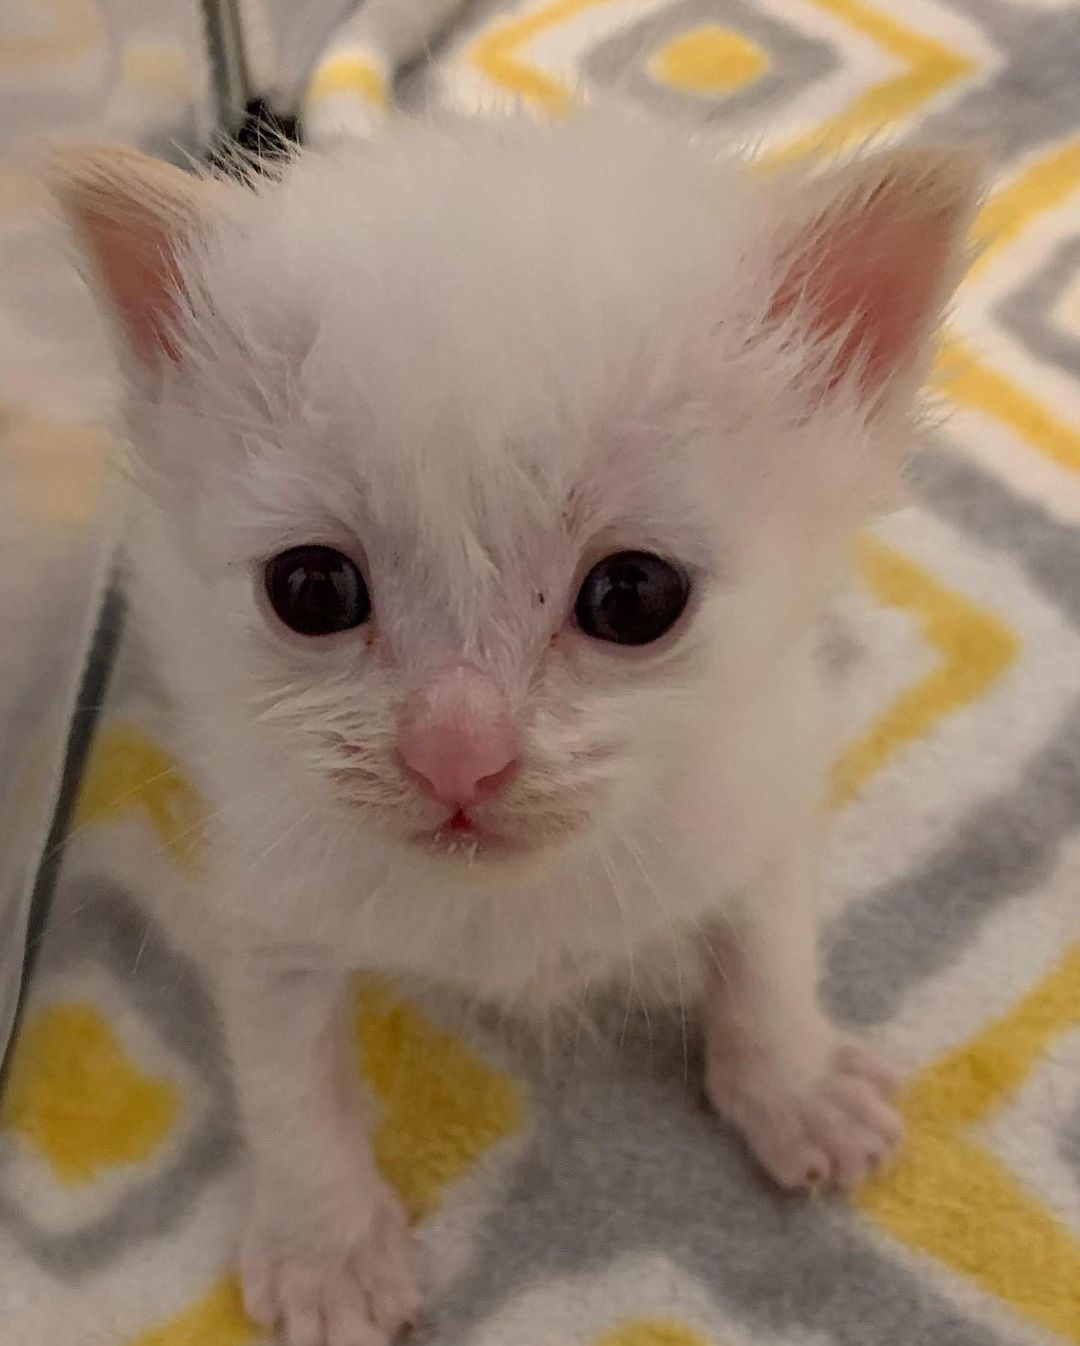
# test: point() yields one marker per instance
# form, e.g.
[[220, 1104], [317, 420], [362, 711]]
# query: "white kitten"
[[495, 476]]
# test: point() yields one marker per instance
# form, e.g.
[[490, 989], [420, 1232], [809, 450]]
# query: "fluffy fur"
[[477, 358]]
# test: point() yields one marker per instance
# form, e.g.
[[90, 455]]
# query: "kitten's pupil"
[[631, 598], [317, 591]]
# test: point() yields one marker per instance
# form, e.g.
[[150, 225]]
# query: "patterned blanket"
[[592, 1201]]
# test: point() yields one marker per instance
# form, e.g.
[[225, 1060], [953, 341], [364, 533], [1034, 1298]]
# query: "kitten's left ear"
[[875, 252], [133, 216]]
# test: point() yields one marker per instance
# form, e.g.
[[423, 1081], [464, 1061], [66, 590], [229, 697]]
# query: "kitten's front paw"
[[359, 1293], [836, 1134]]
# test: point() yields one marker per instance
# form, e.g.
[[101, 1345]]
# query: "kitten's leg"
[[325, 1251], [812, 1105]]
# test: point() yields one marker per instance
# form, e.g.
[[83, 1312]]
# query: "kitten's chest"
[[557, 947], [666, 970]]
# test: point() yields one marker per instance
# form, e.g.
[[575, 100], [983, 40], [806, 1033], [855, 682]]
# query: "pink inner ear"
[[138, 266], [874, 269]]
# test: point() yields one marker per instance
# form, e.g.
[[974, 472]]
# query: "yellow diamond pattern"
[[709, 60], [442, 1107], [652, 1332], [950, 1197], [975, 648], [499, 54], [929, 68], [131, 776], [355, 73], [217, 1319], [77, 1099]]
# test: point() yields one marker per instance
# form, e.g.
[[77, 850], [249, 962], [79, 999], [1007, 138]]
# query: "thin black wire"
[[95, 681], [227, 54]]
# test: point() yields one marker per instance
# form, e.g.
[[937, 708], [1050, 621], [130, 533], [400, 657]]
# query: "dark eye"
[[631, 598], [317, 591]]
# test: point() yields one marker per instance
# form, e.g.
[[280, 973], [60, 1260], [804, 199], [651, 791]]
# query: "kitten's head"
[[508, 460]]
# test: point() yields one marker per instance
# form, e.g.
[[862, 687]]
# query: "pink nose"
[[456, 743]]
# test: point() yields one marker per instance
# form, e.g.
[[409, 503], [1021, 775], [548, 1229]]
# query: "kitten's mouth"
[[463, 838]]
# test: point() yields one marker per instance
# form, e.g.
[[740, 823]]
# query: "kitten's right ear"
[[132, 215], [876, 250]]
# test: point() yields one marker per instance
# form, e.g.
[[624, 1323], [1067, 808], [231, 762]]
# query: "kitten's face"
[[494, 608], [508, 462], [489, 631]]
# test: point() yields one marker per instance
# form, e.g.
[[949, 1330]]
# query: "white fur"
[[478, 358]]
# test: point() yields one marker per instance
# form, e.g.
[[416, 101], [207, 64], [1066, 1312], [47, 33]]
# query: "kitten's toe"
[[794, 1163], [854, 1058], [836, 1134], [360, 1293], [349, 1317]]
